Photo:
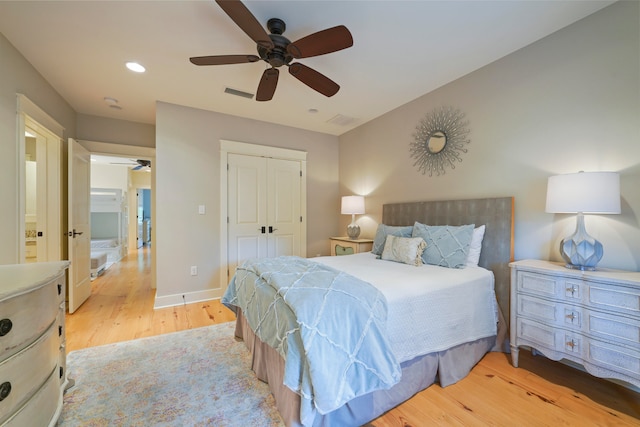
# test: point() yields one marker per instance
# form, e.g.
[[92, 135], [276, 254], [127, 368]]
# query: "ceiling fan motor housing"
[[278, 55]]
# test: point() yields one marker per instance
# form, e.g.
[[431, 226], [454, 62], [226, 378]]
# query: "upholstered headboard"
[[495, 213]]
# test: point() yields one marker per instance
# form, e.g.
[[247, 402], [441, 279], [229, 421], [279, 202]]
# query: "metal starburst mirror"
[[439, 140]]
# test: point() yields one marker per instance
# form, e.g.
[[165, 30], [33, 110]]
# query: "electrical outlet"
[[194, 270]]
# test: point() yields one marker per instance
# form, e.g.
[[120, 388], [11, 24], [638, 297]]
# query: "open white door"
[[79, 231]]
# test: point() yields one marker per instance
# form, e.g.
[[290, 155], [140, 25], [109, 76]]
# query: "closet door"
[[246, 209], [283, 207], [264, 208]]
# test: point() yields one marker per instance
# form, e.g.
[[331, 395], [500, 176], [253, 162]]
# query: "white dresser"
[[588, 317], [32, 343]]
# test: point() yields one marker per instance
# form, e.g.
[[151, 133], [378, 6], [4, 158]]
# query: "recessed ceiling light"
[[110, 101], [312, 110], [115, 107], [134, 66]]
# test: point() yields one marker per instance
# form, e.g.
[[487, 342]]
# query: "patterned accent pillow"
[[383, 231], [447, 246], [407, 250]]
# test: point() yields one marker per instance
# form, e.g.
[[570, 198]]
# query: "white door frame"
[[235, 147], [29, 113], [138, 152]]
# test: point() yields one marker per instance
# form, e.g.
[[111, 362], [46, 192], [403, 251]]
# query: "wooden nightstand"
[[588, 317], [347, 246]]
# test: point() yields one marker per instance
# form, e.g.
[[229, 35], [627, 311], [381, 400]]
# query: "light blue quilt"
[[328, 326]]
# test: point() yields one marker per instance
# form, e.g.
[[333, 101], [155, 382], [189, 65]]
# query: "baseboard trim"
[[186, 298]]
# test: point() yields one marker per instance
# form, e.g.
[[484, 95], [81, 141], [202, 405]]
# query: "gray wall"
[[188, 174], [18, 76], [103, 129], [566, 103]]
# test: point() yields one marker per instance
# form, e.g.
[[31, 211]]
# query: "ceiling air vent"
[[237, 92], [342, 120]]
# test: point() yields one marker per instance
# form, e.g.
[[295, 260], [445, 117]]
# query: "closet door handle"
[[271, 229], [262, 229]]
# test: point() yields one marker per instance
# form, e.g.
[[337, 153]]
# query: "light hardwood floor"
[[539, 393]]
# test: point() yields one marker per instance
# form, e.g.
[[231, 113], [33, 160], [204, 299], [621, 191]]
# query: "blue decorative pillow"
[[384, 230], [447, 246]]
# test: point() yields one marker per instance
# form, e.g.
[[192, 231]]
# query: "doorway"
[[126, 155], [40, 193]]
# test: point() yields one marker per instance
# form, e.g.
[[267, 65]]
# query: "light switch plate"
[[201, 209]]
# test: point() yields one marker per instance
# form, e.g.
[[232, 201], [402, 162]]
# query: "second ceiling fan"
[[277, 50]]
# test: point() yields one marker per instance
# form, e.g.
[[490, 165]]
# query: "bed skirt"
[[446, 367]]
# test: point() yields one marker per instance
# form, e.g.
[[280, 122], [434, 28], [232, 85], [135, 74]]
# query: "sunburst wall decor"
[[439, 140]]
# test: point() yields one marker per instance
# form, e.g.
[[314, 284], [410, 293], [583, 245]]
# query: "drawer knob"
[[572, 290], [5, 390], [5, 327]]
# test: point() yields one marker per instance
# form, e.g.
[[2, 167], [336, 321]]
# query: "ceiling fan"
[[139, 164], [277, 50]]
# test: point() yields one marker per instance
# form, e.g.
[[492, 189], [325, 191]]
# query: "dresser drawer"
[[621, 299], [26, 317], [608, 327], [42, 409], [551, 286], [599, 358], [607, 296], [24, 372]]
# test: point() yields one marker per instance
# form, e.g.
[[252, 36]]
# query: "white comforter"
[[430, 308]]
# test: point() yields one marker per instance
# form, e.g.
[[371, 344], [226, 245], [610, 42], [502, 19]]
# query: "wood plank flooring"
[[538, 393]]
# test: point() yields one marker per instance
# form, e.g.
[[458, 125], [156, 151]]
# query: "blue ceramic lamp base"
[[581, 251]]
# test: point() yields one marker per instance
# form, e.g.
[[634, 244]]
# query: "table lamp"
[[583, 193], [353, 205]]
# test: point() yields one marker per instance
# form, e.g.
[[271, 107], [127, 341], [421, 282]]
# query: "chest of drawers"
[[32, 343], [590, 318]]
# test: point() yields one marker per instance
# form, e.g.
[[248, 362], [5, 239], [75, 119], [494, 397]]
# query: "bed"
[[337, 382], [107, 228]]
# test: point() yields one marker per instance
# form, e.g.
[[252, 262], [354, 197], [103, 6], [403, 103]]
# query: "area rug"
[[199, 377]]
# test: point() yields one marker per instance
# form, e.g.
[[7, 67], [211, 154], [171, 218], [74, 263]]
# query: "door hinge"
[[300, 218], [300, 174], [227, 167], [227, 220]]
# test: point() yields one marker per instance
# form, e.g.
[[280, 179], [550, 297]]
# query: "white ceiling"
[[402, 50]]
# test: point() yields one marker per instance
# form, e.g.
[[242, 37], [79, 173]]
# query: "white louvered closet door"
[[263, 208]]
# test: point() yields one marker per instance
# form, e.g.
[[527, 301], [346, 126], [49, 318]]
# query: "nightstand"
[[347, 246], [591, 318]]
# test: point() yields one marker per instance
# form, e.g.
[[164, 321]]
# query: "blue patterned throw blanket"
[[327, 325]]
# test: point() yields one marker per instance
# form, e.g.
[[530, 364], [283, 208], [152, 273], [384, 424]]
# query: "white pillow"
[[407, 250], [474, 248]]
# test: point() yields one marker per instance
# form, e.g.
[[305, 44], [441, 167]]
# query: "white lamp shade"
[[585, 192], [352, 205]]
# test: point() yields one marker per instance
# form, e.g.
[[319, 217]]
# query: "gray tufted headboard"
[[495, 213]]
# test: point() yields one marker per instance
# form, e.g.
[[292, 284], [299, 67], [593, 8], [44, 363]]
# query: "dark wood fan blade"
[[268, 83], [314, 79], [248, 23], [325, 41], [223, 59]]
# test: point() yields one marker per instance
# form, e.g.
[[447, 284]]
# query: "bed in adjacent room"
[[108, 228], [341, 340]]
